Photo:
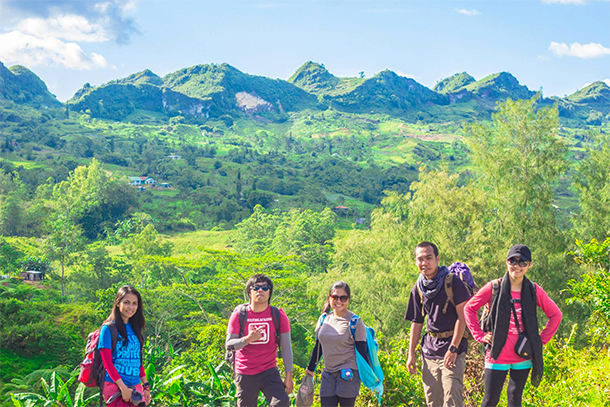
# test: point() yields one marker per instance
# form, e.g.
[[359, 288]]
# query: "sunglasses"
[[521, 263], [342, 298], [260, 287]]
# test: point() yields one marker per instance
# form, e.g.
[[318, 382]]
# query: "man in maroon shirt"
[[443, 346], [256, 351]]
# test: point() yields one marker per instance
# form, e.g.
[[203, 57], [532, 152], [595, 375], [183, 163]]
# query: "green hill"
[[499, 87], [20, 85], [116, 101], [314, 78], [204, 92], [596, 93], [145, 77], [231, 89], [387, 92], [119, 99], [454, 83]]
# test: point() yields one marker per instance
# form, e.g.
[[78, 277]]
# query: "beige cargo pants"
[[444, 387]]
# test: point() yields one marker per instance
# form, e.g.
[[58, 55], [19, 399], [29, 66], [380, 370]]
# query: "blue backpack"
[[371, 374]]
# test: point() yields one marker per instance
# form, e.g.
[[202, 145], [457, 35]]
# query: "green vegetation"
[[339, 183], [454, 83]]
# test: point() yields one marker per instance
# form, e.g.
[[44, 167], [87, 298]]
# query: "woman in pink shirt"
[[513, 302]]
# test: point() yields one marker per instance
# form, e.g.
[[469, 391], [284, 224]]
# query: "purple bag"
[[463, 272]]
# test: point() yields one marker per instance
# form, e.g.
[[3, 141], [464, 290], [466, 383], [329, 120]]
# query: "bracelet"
[[146, 386]]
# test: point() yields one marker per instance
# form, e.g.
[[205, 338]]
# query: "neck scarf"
[[430, 288], [500, 313]]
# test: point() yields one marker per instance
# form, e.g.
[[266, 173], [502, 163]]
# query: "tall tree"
[[70, 199], [13, 203], [593, 184], [516, 161], [143, 246], [306, 234]]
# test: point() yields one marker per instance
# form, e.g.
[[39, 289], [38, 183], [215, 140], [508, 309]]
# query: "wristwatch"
[[453, 349]]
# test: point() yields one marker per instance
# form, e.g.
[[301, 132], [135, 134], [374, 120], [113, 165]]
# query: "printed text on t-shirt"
[[258, 323]]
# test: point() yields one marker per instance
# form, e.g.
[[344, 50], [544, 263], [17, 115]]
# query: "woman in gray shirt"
[[340, 383]]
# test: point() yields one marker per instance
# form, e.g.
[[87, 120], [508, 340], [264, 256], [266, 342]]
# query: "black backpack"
[[242, 313]]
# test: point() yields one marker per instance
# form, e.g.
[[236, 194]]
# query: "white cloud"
[[21, 48], [68, 27], [472, 12], [584, 51], [129, 6], [578, 2], [111, 19]]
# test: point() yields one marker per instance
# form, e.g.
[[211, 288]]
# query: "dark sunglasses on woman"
[[522, 263], [260, 287]]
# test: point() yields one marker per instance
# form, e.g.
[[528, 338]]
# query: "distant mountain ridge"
[[21, 85], [214, 90]]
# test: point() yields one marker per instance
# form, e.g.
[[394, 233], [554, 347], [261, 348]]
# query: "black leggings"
[[335, 401], [494, 381]]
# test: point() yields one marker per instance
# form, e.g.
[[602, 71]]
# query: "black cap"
[[521, 251]]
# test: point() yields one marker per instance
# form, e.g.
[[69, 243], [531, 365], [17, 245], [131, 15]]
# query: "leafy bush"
[[593, 289]]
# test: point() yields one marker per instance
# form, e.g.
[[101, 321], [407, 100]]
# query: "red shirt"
[[261, 355]]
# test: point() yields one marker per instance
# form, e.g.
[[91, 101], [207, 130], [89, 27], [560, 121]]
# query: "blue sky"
[[556, 45]]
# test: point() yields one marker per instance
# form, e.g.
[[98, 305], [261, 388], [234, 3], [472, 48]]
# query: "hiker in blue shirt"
[[444, 345], [125, 383]]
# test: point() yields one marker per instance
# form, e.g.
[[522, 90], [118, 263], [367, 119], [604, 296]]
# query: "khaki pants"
[[444, 387]]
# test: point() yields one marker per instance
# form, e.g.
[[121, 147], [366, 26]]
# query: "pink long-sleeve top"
[[507, 354]]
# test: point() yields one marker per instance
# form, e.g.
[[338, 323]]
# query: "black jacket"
[[500, 312]]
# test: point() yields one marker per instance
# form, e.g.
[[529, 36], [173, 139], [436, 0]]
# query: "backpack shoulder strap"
[[352, 325], [421, 298], [242, 314], [495, 287], [534, 289], [276, 317], [114, 334], [448, 291], [322, 318]]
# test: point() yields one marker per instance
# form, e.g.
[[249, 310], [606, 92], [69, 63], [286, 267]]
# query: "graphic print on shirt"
[[125, 357], [258, 323], [512, 326]]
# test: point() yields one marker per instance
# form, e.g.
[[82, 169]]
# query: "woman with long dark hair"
[[335, 340], [510, 329], [120, 345]]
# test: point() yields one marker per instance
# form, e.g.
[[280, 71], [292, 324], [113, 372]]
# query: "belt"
[[441, 335]]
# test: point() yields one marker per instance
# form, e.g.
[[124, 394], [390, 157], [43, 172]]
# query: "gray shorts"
[[333, 385], [269, 382]]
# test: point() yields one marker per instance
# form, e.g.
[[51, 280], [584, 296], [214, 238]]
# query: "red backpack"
[[92, 372]]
